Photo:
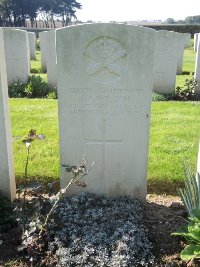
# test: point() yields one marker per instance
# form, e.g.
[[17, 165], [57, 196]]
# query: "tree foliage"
[[192, 20], [17, 12]]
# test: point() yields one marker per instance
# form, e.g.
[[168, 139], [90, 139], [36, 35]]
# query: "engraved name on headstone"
[[105, 78]]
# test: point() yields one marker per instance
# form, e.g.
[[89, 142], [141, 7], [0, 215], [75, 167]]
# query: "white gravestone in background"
[[105, 79], [32, 48], [17, 55], [196, 37], [198, 161], [180, 51], [165, 63], [197, 68], [7, 179], [51, 59], [187, 39], [42, 40]]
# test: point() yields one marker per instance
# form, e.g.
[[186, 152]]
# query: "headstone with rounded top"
[[32, 48], [42, 40], [51, 59], [165, 65], [17, 55], [7, 179], [105, 80]]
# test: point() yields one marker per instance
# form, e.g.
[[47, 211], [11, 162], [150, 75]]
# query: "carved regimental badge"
[[105, 60]]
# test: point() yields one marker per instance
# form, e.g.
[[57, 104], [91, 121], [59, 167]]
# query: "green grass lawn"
[[41, 115], [174, 135], [36, 64], [175, 132]]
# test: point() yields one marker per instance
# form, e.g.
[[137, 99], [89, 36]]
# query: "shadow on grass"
[[164, 187]]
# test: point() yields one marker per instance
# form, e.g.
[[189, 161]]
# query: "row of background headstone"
[[168, 58], [169, 51], [124, 91], [19, 49]]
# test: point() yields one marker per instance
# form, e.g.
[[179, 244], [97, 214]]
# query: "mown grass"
[[175, 131], [41, 115], [174, 135], [36, 64]]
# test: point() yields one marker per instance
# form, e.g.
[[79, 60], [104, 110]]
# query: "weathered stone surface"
[[165, 65], [198, 161], [51, 59], [17, 55], [32, 48], [105, 82], [180, 38], [197, 68], [42, 40], [187, 39], [7, 179], [196, 35]]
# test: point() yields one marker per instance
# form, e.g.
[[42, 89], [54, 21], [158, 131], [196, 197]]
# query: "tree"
[[170, 21], [17, 12], [193, 19]]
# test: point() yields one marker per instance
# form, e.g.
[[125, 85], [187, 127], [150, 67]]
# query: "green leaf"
[[196, 213], [190, 252]]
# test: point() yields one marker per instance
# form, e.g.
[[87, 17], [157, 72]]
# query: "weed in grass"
[[161, 97], [36, 87]]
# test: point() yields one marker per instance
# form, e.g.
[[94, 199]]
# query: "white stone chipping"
[[7, 179], [105, 82]]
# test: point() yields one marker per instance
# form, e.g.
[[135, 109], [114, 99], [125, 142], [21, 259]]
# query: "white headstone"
[[17, 55], [7, 179], [105, 80], [165, 65], [180, 51], [51, 59], [198, 161], [196, 35], [42, 40], [32, 48], [187, 39], [197, 68]]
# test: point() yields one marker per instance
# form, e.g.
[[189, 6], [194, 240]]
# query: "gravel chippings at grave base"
[[91, 230]]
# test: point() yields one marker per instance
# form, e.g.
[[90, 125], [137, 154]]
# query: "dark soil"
[[163, 215]]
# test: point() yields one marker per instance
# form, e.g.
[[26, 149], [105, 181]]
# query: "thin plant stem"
[[77, 176], [24, 195]]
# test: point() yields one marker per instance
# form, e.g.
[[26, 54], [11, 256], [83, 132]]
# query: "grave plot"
[[104, 88]]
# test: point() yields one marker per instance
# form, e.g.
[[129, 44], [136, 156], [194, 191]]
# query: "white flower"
[[28, 144]]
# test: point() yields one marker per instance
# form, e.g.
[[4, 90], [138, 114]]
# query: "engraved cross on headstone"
[[105, 142]]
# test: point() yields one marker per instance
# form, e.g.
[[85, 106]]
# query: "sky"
[[131, 10]]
